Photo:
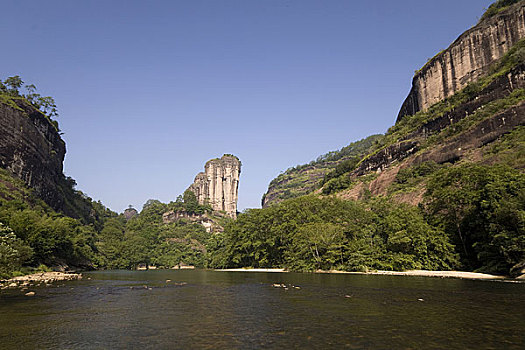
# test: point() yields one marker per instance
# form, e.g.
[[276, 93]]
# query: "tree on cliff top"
[[497, 7], [12, 86]]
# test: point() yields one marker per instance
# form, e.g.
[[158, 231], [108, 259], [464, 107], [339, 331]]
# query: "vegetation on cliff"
[[473, 217], [472, 199], [11, 93], [497, 7], [458, 115], [306, 178], [148, 239], [333, 177], [34, 234]]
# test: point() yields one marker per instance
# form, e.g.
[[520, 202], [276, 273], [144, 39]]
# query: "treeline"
[[34, 237], [473, 218], [33, 234], [310, 233], [146, 239]]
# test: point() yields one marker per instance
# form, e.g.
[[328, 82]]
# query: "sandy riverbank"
[[421, 273], [246, 269], [41, 278], [427, 273]]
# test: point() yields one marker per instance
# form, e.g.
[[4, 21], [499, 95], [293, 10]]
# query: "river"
[[199, 309]]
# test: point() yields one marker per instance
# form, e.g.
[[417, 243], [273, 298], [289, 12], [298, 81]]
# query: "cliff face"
[[218, 185], [209, 223], [466, 60], [32, 150], [454, 148], [466, 133], [464, 105]]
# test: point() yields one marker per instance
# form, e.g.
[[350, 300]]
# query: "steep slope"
[[444, 188], [43, 219], [31, 149], [457, 130], [304, 179], [468, 58]]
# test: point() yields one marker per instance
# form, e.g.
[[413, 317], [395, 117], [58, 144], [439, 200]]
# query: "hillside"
[[44, 220], [444, 188], [304, 179], [460, 125], [464, 128]]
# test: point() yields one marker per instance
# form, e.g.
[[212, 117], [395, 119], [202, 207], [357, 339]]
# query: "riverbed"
[[200, 309]]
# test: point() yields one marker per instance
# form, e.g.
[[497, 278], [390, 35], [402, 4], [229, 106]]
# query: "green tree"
[[13, 252], [318, 246], [483, 208], [14, 84], [191, 204]]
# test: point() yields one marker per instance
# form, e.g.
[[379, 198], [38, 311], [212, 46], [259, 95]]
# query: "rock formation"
[[209, 224], [31, 149], [465, 60], [218, 184], [461, 129], [130, 213]]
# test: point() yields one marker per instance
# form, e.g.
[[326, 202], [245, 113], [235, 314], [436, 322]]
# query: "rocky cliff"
[[466, 59], [465, 104], [32, 149], [210, 223], [219, 183]]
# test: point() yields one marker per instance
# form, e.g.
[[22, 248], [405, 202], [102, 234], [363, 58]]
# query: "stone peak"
[[218, 184]]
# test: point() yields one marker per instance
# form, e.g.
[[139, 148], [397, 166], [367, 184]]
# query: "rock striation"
[[465, 60], [31, 149], [219, 183], [457, 147]]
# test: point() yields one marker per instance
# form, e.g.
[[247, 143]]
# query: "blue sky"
[[148, 91]]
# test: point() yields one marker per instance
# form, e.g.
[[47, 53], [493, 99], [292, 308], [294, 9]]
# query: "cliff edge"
[[31, 149], [467, 59]]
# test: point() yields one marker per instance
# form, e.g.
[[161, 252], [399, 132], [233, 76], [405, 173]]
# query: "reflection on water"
[[225, 310]]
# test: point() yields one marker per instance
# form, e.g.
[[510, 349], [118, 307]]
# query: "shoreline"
[[417, 273], [37, 279], [246, 269]]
